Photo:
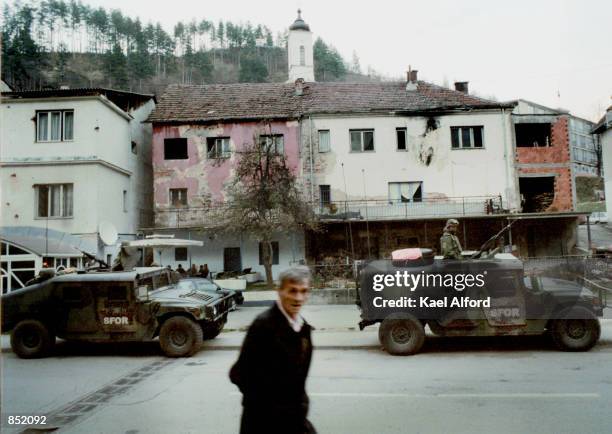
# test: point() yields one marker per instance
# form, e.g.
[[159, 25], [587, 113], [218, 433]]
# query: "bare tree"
[[264, 195]]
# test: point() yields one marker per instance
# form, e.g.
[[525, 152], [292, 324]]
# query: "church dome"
[[299, 23]]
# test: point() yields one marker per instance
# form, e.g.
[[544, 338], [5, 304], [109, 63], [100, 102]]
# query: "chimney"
[[411, 79], [299, 87], [462, 86]]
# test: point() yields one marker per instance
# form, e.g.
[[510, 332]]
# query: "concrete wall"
[[429, 158]]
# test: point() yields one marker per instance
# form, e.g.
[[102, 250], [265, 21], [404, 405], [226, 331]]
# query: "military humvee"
[[507, 302], [106, 306]]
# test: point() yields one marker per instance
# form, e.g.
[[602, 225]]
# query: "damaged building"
[[383, 165], [558, 159]]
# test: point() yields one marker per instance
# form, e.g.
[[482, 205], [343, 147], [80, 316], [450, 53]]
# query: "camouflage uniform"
[[450, 246]]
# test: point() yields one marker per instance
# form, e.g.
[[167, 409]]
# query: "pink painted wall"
[[206, 178]]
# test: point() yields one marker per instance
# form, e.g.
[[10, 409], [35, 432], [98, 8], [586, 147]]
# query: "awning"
[[35, 241], [163, 242]]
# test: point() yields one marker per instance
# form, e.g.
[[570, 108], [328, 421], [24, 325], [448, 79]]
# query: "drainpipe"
[[507, 177], [311, 161]]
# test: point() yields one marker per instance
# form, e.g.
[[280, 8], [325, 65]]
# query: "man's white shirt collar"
[[295, 324]]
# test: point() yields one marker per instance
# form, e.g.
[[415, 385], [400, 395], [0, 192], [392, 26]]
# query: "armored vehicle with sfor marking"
[[112, 306]]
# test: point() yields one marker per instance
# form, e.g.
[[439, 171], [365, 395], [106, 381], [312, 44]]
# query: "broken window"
[[175, 149], [532, 135], [54, 200], [275, 142], [274, 253], [54, 126], [178, 196], [537, 193], [400, 192], [218, 147], [401, 138], [324, 142], [467, 137], [324, 195], [362, 140]]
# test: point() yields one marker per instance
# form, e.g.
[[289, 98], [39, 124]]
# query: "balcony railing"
[[209, 217], [397, 210]]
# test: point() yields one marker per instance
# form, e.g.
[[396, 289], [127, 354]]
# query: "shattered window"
[[532, 135], [175, 149], [401, 192], [218, 147]]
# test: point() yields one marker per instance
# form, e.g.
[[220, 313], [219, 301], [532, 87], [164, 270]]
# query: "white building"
[[73, 159], [604, 130]]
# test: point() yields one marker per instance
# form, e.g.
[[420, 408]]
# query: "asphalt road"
[[485, 385]]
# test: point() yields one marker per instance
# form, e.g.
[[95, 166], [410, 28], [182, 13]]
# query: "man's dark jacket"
[[271, 373]]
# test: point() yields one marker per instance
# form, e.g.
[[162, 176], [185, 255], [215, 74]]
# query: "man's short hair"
[[298, 273]]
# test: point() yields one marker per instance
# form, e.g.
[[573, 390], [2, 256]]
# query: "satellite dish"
[[108, 233]]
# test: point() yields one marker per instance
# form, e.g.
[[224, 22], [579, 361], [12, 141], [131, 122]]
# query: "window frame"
[[328, 141], [362, 132], [274, 138], [397, 131], [172, 203], [62, 126], [400, 201], [218, 155], [460, 137], [60, 206], [329, 201]]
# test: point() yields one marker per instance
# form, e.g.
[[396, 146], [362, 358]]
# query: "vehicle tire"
[[401, 334], [180, 336], [32, 339], [577, 330], [211, 331]]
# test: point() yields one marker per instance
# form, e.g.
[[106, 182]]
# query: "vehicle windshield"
[[156, 281]]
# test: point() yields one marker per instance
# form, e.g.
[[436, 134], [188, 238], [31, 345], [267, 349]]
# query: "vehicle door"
[[75, 308], [507, 295], [116, 306]]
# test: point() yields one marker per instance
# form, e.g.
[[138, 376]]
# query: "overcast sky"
[[556, 53]]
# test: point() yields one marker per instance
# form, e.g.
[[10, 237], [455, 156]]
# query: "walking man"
[[274, 360]]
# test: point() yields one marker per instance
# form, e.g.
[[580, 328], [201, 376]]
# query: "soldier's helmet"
[[451, 222]]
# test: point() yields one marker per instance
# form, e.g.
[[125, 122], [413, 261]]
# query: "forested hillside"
[[52, 43]]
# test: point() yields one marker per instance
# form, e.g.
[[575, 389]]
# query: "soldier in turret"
[[449, 243]]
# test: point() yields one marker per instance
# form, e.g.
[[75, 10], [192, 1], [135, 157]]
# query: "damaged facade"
[[556, 155], [71, 160], [383, 164]]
